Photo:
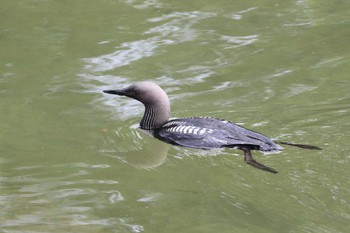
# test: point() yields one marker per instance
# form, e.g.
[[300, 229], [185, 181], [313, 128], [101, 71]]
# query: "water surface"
[[73, 160]]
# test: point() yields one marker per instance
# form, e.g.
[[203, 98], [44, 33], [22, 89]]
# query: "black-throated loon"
[[196, 132]]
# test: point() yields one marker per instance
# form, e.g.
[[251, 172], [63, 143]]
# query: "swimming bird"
[[197, 132]]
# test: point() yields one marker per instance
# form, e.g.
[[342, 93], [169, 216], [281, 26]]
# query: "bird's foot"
[[249, 160], [261, 166]]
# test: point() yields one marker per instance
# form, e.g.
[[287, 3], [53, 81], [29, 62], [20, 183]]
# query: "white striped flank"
[[182, 129]]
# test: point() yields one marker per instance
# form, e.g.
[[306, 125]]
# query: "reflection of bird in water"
[[197, 132], [148, 159]]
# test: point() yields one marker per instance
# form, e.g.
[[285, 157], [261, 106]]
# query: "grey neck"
[[155, 116], [148, 119]]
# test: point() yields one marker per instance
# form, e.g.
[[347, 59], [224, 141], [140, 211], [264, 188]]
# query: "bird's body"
[[196, 132], [208, 132]]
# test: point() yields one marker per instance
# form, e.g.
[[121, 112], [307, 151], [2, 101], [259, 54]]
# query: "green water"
[[73, 160]]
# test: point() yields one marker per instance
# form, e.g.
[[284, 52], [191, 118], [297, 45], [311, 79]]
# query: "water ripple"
[[239, 41], [144, 4], [178, 30], [36, 201], [126, 53]]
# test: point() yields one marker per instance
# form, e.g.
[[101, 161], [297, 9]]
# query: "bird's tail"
[[309, 147]]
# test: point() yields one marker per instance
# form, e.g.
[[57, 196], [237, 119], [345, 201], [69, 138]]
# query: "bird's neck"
[[155, 116]]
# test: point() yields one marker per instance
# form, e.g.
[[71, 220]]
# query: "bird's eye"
[[131, 92]]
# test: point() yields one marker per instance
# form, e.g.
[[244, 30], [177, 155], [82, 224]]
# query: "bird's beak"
[[115, 92]]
